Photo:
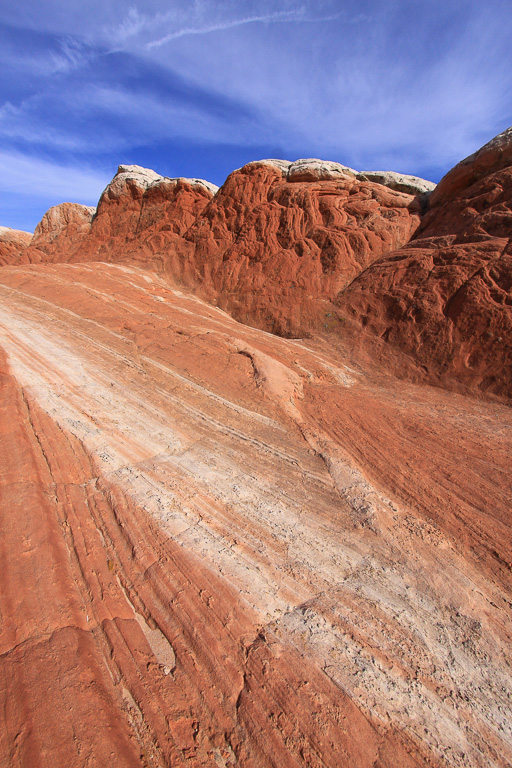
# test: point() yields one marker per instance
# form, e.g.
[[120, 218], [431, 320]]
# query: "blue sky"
[[199, 87]]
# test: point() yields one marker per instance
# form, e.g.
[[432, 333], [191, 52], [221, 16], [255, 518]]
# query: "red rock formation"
[[272, 246], [220, 547], [279, 240], [12, 241], [209, 556], [60, 231], [138, 211], [141, 214], [446, 298]]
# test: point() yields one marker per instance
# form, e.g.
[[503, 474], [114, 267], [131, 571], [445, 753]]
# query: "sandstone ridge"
[[271, 246], [224, 547], [12, 241], [415, 274]]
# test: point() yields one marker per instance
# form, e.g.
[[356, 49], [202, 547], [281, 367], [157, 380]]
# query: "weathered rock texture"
[[220, 547], [445, 299], [298, 248], [398, 181], [12, 241], [272, 246]]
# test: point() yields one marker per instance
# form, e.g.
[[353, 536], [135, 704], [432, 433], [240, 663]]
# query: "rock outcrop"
[[399, 182], [494, 156], [61, 231], [445, 299], [139, 211], [272, 246], [418, 275], [273, 249], [12, 241], [224, 548]]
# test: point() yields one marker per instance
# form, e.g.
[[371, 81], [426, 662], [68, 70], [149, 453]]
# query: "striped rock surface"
[[221, 547]]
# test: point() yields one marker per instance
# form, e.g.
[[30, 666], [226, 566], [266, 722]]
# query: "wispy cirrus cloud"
[[72, 54], [370, 83], [280, 16], [203, 19]]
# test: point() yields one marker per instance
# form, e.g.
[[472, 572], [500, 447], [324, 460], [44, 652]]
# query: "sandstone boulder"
[[445, 299], [12, 241]]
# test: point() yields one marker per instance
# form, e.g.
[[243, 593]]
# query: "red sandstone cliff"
[[271, 246]]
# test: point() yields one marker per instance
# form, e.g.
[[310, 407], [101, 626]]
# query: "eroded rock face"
[[445, 299], [208, 557], [12, 241], [275, 243], [61, 231], [272, 249], [139, 212], [492, 157], [307, 247], [398, 181]]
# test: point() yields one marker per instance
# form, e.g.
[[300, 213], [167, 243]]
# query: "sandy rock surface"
[[225, 548]]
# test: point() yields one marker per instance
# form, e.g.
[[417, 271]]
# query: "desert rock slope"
[[255, 475], [12, 241]]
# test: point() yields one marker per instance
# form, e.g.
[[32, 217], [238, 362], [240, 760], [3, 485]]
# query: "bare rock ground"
[[221, 547]]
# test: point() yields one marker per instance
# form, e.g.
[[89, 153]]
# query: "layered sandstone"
[[418, 276], [272, 246], [221, 547], [12, 241], [445, 299]]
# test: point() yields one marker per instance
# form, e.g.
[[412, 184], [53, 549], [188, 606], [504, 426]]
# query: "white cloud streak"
[[203, 19], [225, 25], [370, 93]]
